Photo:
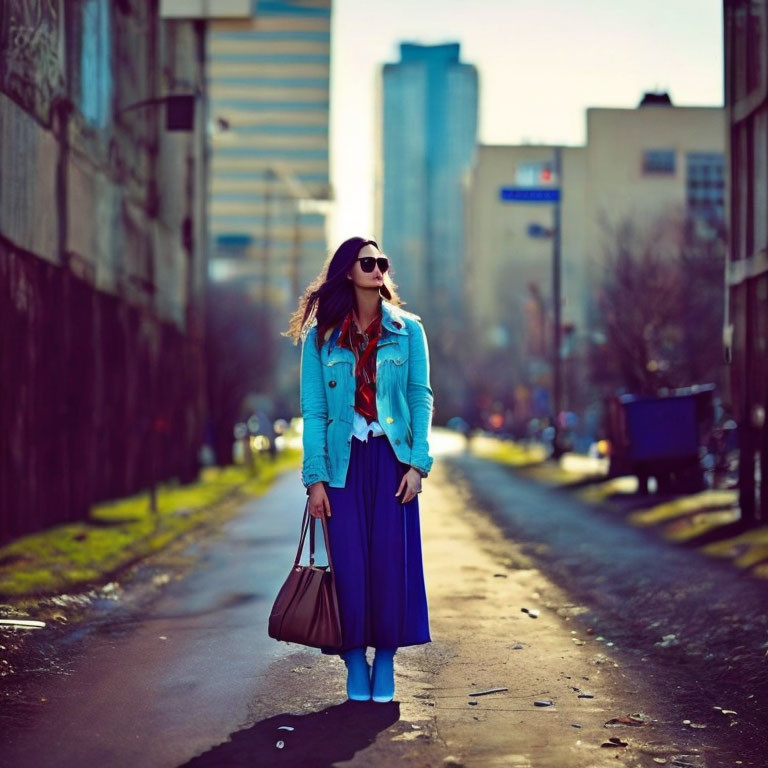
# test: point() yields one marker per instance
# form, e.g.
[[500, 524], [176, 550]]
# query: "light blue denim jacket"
[[404, 399]]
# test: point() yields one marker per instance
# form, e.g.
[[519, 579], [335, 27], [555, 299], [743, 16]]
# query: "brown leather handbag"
[[306, 610]]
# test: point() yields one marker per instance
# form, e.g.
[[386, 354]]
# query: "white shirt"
[[360, 427]]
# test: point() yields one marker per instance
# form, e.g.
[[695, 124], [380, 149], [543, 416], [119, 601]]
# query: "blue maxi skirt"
[[376, 549]]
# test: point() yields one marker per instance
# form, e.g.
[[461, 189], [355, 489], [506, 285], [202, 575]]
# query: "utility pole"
[[557, 449]]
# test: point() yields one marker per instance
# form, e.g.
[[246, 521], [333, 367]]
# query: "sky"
[[541, 63]]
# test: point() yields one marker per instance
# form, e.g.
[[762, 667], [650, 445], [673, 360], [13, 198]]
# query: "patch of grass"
[[531, 461], [688, 528], [746, 550], [121, 532], [709, 500], [624, 485], [506, 451]]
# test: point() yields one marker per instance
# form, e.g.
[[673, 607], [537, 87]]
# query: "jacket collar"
[[391, 319]]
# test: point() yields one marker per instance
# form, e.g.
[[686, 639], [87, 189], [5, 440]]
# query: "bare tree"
[[240, 358], [660, 300]]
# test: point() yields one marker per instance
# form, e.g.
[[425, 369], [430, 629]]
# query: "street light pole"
[[557, 449], [266, 251]]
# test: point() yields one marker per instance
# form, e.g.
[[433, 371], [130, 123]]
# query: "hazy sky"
[[541, 63]]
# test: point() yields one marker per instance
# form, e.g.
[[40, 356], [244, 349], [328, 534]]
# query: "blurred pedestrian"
[[366, 402]]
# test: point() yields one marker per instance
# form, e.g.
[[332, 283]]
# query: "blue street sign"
[[530, 195]]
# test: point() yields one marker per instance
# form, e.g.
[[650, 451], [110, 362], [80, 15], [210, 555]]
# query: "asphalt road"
[[180, 669], [639, 588], [169, 671]]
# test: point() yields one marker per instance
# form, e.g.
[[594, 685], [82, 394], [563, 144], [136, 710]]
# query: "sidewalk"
[[478, 583]]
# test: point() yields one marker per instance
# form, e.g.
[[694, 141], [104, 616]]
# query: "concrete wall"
[[102, 257]]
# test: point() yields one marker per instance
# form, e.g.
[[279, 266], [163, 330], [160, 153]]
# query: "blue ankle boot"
[[383, 675], [358, 674]]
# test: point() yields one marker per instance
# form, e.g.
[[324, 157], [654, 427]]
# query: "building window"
[[95, 87], [659, 162], [705, 187]]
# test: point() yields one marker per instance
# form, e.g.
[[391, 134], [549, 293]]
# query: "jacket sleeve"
[[420, 397], [314, 411]]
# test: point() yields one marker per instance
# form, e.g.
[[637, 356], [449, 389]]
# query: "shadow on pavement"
[[319, 739]]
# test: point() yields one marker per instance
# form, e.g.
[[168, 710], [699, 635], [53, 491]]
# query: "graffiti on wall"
[[32, 50]]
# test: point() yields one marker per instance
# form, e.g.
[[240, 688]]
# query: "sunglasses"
[[367, 263]]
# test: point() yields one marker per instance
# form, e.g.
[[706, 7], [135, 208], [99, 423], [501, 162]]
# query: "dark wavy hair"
[[330, 296]]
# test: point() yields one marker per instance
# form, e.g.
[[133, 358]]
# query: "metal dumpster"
[[660, 437]]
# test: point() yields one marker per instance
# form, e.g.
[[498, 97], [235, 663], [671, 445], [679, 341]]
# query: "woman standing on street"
[[366, 402]]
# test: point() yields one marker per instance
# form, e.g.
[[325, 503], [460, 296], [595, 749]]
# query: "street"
[[235, 235], [180, 670]]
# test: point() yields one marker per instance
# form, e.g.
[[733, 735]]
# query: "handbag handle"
[[308, 522]]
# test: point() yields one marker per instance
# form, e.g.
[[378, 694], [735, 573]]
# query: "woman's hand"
[[318, 500], [410, 485]]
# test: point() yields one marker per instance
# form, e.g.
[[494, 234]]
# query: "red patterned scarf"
[[363, 345]]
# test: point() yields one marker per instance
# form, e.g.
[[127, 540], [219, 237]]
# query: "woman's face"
[[362, 279]]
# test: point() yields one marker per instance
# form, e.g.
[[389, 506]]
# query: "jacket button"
[[389, 419], [331, 383], [397, 442]]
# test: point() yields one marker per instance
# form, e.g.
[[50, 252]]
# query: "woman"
[[366, 402]]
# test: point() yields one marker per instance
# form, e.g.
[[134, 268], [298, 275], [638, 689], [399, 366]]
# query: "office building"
[[656, 167], [269, 88], [428, 127]]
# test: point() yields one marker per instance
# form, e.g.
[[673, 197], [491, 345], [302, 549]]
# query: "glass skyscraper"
[[428, 136]]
